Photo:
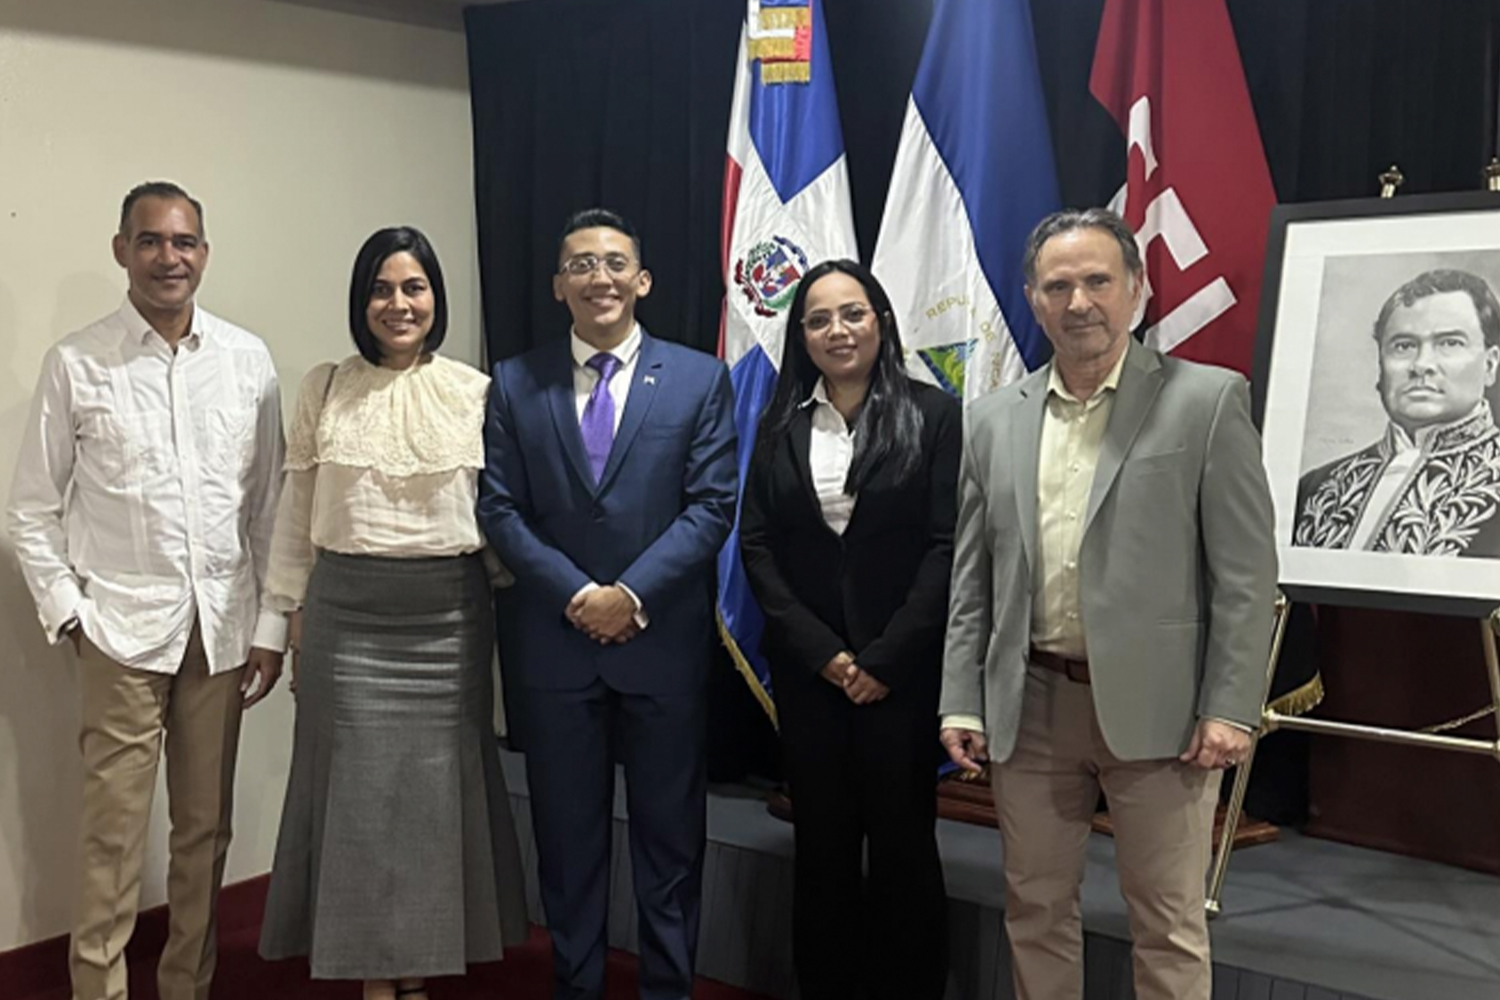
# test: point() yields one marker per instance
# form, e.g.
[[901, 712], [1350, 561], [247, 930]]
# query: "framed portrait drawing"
[[1376, 393]]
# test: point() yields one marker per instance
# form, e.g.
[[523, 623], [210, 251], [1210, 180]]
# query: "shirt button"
[[1072, 515], [1072, 616], [1070, 565]]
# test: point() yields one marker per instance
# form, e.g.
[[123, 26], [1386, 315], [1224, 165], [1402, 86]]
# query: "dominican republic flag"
[[974, 174], [1197, 189], [786, 208]]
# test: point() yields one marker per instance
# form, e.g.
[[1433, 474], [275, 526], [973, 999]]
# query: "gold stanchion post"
[[1390, 180], [1236, 807], [1433, 737], [1491, 174]]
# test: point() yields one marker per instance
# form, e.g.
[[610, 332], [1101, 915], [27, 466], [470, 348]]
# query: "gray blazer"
[[1178, 561]]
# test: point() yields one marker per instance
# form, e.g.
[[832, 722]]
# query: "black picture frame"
[[1317, 255]]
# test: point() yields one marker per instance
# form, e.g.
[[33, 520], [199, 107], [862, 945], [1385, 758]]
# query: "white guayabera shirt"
[[146, 488]]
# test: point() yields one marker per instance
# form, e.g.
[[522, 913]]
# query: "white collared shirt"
[[585, 378], [830, 452], [146, 487]]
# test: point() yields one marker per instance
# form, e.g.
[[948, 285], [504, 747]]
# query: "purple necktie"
[[598, 423]]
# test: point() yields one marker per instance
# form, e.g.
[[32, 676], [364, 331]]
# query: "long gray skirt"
[[397, 854]]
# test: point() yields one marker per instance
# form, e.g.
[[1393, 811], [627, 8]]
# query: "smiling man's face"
[[163, 251], [1083, 295], [602, 300]]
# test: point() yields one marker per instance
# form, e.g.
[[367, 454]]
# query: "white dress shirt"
[[145, 491], [830, 452], [584, 380], [381, 462]]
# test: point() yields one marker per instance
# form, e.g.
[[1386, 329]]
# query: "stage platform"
[[1304, 919]]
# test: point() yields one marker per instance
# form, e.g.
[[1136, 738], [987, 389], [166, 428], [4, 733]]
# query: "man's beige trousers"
[[1162, 811], [126, 714]]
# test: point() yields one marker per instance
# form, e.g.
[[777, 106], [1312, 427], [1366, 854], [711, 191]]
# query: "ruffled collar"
[[422, 420]]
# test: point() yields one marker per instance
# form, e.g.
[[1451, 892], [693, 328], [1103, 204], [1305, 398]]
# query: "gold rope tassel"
[[746, 671], [780, 18], [786, 72], [1301, 700], [773, 48]]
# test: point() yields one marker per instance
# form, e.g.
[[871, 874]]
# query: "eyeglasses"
[[850, 316], [585, 263]]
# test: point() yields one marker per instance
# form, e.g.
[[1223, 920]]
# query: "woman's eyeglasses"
[[850, 316]]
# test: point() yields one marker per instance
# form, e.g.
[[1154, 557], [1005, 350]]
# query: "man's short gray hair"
[[1070, 219]]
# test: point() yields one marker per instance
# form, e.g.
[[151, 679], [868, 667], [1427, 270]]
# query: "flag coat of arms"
[[974, 174], [786, 208]]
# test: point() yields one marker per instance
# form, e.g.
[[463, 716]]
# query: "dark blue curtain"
[[587, 102]]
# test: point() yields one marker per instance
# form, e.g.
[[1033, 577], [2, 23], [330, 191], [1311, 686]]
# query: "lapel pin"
[[650, 379]]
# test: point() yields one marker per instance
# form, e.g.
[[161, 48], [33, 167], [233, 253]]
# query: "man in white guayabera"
[[141, 513]]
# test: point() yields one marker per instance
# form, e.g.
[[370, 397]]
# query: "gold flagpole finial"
[[1390, 180], [1491, 174]]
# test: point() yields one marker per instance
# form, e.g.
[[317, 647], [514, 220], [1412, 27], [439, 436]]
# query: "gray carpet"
[[1304, 919]]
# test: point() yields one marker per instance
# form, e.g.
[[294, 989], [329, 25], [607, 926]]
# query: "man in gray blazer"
[[1110, 618]]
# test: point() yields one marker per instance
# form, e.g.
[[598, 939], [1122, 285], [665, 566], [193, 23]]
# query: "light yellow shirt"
[[1072, 434]]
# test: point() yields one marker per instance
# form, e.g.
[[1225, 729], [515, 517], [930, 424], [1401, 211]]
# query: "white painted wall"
[[302, 131]]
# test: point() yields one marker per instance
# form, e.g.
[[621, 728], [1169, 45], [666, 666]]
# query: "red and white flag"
[[1198, 192]]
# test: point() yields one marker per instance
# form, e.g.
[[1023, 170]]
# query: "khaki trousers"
[[124, 715], [1162, 812]]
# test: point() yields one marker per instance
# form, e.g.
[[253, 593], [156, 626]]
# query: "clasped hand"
[[861, 688], [604, 614]]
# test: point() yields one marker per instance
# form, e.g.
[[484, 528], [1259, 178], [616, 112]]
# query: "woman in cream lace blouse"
[[397, 856]]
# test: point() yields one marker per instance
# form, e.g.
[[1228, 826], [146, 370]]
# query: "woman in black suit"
[[847, 537]]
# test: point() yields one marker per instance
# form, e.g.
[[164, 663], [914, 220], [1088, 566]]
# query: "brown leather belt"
[[1076, 671]]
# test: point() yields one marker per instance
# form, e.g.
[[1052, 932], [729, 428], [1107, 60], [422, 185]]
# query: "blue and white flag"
[[974, 174], [786, 208]]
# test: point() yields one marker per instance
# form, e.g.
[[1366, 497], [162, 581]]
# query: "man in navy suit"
[[609, 488]]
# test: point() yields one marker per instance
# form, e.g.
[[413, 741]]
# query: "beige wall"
[[301, 130]]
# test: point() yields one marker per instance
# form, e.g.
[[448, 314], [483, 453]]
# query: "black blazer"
[[880, 590]]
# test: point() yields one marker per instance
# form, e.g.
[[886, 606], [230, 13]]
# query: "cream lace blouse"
[[379, 462]]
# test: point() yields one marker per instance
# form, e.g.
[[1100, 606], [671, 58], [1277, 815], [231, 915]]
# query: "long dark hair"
[[888, 430]]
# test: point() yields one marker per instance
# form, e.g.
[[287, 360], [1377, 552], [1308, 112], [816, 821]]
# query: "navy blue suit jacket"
[[655, 521]]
